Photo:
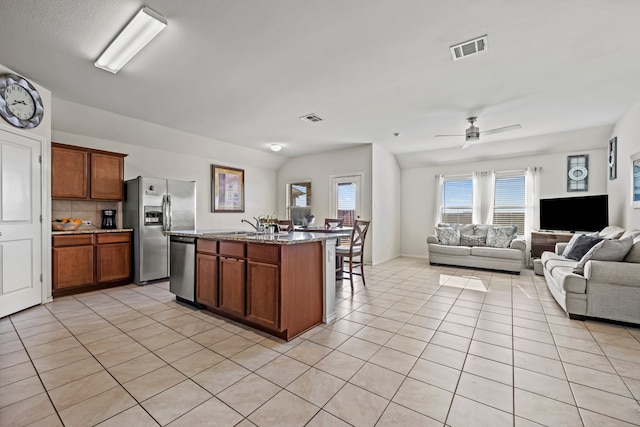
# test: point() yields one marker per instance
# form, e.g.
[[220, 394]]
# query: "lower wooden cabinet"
[[207, 279], [72, 266], [84, 262], [263, 294], [231, 286]]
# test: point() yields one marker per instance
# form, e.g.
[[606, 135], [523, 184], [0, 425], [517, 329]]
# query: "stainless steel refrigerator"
[[151, 208]]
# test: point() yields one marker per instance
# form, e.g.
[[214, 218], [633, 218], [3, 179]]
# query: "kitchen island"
[[282, 283]]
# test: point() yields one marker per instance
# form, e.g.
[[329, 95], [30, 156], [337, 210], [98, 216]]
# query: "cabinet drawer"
[[113, 238], [234, 249], [72, 240], [264, 253], [208, 246]]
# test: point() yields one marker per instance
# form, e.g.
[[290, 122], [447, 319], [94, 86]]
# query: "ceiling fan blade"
[[466, 144], [502, 129], [437, 136]]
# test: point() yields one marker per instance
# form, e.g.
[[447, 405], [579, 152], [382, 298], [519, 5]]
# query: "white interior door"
[[20, 227], [346, 196]]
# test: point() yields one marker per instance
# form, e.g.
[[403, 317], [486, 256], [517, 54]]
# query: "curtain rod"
[[471, 173]]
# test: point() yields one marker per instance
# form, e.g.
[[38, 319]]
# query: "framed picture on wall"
[[635, 180], [227, 189], [578, 173], [613, 154]]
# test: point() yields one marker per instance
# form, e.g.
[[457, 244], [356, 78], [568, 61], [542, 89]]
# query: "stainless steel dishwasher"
[[182, 268]]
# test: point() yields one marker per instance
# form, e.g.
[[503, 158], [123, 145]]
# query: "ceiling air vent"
[[471, 47], [311, 118]]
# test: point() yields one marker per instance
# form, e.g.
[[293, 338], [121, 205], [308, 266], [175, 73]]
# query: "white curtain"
[[532, 204], [483, 197], [437, 214]]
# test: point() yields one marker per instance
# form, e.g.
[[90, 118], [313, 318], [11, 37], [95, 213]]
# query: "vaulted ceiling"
[[244, 71]]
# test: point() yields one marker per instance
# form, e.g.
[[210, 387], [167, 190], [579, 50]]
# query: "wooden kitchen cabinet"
[[79, 173], [207, 279], [113, 257], [231, 286], [86, 262], [263, 294], [207, 272], [275, 288], [69, 173], [72, 265]]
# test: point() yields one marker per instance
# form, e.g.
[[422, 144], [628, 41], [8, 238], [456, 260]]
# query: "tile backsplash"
[[85, 210]]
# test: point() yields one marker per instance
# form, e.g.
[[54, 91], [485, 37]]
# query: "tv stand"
[[542, 241]]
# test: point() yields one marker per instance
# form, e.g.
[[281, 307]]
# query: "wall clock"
[[20, 103], [578, 173]]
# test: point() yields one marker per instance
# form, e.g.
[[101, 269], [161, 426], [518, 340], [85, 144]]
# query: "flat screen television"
[[587, 213]]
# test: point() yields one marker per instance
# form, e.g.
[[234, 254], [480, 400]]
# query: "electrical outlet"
[[86, 222]]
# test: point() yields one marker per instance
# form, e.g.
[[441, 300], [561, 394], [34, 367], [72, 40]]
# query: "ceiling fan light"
[[276, 147], [144, 26]]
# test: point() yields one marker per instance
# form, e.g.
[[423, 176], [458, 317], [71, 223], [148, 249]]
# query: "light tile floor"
[[419, 346]]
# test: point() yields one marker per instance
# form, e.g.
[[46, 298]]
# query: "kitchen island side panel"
[[302, 287]]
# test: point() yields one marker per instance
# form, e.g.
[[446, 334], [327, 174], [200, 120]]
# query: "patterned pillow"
[[448, 235], [469, 240], [500, 236]]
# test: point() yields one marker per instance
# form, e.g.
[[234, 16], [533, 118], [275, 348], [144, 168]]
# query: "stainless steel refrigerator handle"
[[170, 210], [164, 213]]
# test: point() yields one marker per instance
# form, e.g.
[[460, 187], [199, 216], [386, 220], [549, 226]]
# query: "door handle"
[[169, 211]]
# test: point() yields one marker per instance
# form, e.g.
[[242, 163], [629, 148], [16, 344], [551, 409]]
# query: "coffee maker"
[[108, 219]]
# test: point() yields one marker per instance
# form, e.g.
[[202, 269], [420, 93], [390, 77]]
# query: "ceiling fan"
[[472, 133]]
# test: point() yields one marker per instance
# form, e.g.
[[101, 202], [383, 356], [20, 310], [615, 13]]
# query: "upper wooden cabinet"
[[79, 173]]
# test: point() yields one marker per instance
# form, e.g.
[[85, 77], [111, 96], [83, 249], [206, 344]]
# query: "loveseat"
[[604, 282], [478, 246]]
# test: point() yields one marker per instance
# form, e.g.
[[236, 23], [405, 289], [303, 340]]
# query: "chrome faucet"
[[255, 227]]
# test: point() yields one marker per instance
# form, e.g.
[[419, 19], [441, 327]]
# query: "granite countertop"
[[91, 231], [291, 238]]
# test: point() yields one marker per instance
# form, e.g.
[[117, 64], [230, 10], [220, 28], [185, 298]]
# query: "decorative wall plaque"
[[578, 173]]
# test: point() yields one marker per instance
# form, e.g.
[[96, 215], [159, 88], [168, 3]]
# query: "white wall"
[[318, 168], [386, 190], [628, 132], [418, 188]]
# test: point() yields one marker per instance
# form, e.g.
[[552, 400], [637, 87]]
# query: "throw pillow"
[[611, 232], [500, 236], [581, 246], [606, 250], [448, 235], [634, 253], [469, 240], [572, 242], [482, 230]]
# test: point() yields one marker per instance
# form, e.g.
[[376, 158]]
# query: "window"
[[457, 200], [299, 201], [509, 201], [347, 203]]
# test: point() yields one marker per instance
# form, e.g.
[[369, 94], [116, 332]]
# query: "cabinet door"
[[231, 297], [113, 262], [107, 174], [72, 266], [69, 173], [207, 279], [263, 294]]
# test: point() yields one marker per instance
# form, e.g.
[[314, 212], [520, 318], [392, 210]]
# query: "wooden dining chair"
[[354, 252], [333, 222], [285, 225]]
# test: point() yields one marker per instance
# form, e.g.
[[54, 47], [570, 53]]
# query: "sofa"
[[477, 246], [603, 283]]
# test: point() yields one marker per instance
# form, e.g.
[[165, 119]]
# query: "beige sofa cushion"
[[634, 253], [569, 281], [450, 250], [611, 232], [502, 253]]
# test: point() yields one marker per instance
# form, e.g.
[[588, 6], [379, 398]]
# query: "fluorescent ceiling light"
[[276, 147], [140, 31]]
